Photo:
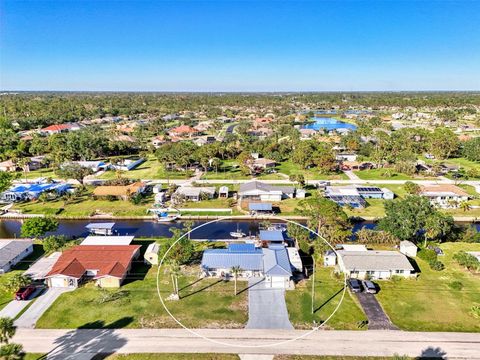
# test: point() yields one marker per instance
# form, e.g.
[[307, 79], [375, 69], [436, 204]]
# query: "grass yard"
[[150, 169], [464, 163], [166, 356], [374, 209], [204, 303], [429, 303], [85, 205], [328, 293], [227, 170], [46, 173], [289, 168], [381, 174]]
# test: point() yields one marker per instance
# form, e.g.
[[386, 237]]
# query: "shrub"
[[436, 265], [467, 260], [456, 285], [428, 255]]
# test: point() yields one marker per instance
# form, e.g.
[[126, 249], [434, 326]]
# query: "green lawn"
[[328, 293], [46, 173], [85, 205], [428, 303], [464, 163], [204, 303], [381, 174], [150, 169], [290, 168], [227, 170], [194, 356]]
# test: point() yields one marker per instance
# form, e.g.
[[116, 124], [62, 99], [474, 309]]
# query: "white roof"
[[355, 247], [153, 248], [406, 243], [342, 190], [107, 240]]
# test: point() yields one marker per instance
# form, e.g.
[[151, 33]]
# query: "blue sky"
[[240, 45]]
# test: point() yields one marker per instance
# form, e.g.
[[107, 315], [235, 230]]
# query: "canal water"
[[10, 228], [328, 123]]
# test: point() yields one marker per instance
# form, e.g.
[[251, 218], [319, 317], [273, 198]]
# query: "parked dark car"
[[354, 285], [369, 287], [24, 292]]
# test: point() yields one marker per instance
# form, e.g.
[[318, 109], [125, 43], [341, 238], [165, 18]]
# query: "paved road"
[[346, 343], [30, 317], [15, 307], [266, 307], [377, 319]]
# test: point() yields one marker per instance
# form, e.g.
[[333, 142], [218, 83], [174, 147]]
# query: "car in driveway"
[[355, 285], [24, 292], [369, 287]]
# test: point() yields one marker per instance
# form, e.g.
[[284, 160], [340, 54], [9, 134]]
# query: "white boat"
[[163, 215], [237, 234]]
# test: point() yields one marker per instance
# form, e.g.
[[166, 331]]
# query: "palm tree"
[[465, 206], [236, 270], [7, 329], [12, 352]]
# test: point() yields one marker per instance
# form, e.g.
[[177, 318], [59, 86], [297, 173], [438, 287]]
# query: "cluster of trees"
[[469, 261], [414, 218], [38, 226]]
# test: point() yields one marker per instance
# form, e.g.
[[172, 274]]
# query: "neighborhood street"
[[346, 343]]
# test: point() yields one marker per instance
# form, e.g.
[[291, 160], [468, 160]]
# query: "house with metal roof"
[[28, 191], [272, 263], [12, 252], [257, 190], [372, 264], [195, 193]]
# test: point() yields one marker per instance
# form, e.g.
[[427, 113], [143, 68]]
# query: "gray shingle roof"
[[10, 249], [263, 187]]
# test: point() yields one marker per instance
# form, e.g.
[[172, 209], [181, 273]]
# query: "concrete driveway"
[[30, 317], [266, 307], [377, 319], [14, 307]]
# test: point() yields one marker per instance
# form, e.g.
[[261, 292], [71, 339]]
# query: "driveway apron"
[[266, 307]]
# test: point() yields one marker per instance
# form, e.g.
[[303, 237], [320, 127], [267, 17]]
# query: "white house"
[[256, 190], [193, 193], [444, 195], [373, 264], [12, 252], [346, 157]]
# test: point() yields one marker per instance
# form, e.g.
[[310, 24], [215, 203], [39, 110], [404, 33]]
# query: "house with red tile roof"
[[107, 265], [56, 129], [182, 131]]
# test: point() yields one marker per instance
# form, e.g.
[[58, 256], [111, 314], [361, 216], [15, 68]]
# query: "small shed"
[[329, 258], [101, 228], [408, 248], [300, 193], [388, 194], [223, 192], [157, 188], [151, 254]]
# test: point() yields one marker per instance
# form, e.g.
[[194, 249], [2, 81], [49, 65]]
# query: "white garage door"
[[278, 282], [57, 282]]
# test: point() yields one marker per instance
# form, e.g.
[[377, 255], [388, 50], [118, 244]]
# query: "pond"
[[328, 123]]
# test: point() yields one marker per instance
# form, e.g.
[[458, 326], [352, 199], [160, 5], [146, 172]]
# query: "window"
[[370, 272], [398, 271]]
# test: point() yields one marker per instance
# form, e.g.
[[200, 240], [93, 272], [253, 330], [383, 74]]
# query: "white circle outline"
[[245, 345]]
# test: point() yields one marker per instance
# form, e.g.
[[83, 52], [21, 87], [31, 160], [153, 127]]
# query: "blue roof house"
[[23, 191], [272, 263]]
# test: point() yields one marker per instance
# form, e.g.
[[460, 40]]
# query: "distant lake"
[[328, 123]]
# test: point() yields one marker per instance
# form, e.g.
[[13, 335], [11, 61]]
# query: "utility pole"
[[313, 285]]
